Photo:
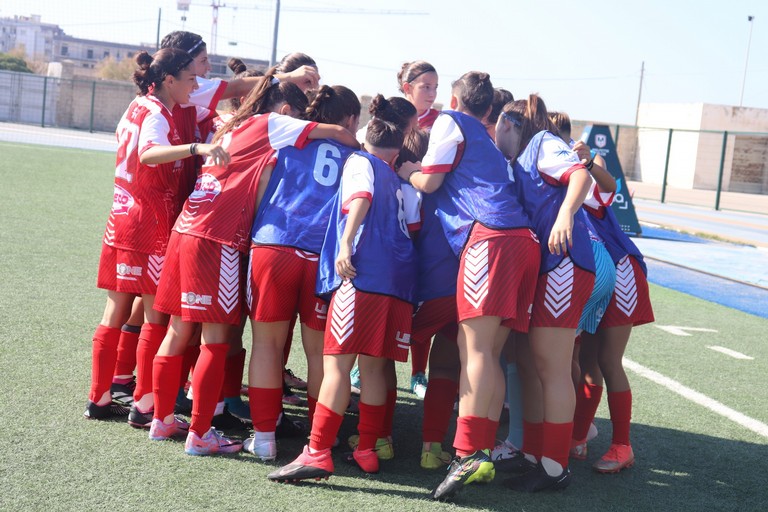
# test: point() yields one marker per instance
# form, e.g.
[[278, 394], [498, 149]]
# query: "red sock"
[[557, 441], [149, 342], [438, 408], [370, 425], [126, 350], [389, 414], [470, 435], [266, 406], [419, 357], [207, 381], [311, 406], [620, 407], [325, 426], [165, 379], [103, 357], [492, 427], [587, 399], [532, 438], [233, 374], [190, 357]]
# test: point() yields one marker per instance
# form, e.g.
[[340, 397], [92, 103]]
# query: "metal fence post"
[[93, 102], [45, 93], [616, 137], [666, 167], [720, 173]]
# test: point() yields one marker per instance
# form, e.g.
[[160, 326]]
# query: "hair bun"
[[236, 65], [143, 60]]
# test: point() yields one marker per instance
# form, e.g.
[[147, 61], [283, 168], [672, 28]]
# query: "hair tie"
[[275, 80], [196, 45]]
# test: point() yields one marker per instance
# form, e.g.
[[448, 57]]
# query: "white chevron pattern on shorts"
[[310, 256], [155, 267], [186, 217], [476, 274], [109, 233], [248, 288], [557, 297], [343, 312], [229, 278], [626, 287]]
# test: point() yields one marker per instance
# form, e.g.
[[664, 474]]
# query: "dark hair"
[[153, 69], [264, 98], [240, 70], [294, 61], [562, 122], [190, 42], [332, 105], [414, 147], [500, 98], [410, 71], [384, 128], [403, 108], [532, 114], [475, 92]]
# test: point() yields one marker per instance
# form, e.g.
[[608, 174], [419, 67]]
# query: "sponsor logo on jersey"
[[207, 188], [128, 272], [192, 300], [600, 140], [122, 201]]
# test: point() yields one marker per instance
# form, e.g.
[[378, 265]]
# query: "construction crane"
[[183, 5]]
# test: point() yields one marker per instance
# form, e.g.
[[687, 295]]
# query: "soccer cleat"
[[102, 412], [618, 457], [366, 460], [212, 442], [539, 480], [353, 407], [160, 431], [262, 445], [289, 397], [435, 457], [508, 459], [291, 380], [227, 421], [475, 468], [138, 419], [503, 450], [183, 404], [384, 449], [288, 427], [419, 385], [238, 408], [306, 466], [354, 379], [578, 449], [123, 393], [592, 433]]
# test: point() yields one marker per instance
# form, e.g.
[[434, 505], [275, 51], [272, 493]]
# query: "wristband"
[[193, 148], [411, 174], [590, 164]]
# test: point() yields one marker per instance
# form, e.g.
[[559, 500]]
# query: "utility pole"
[[746, 63], [157, 40], [273, 60], [639, 92]]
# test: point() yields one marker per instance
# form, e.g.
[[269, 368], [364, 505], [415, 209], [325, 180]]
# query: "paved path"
[[30, 134]]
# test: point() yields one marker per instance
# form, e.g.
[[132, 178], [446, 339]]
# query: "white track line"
[[732, 353], [752, 424]]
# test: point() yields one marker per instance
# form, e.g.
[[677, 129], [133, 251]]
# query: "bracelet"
[[590, 164], [411, 174], [193, 148]]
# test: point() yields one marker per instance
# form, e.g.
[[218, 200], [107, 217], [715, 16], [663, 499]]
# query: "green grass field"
[[53, 207]]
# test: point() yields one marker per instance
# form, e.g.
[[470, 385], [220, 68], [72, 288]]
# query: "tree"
[[11, 63], [111, 69]]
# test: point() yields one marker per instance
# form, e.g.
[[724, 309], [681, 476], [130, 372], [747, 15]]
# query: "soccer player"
[[417, 81]]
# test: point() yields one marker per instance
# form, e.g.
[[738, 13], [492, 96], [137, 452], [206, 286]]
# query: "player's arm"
[[163, 154], [428, 175], [334, 132], [561, 236], [305, 75], [427, 183], [357, 208], [596, 167]]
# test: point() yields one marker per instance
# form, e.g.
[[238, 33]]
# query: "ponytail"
[[533, 117], [152, 70], [384, 129], [332, 105]]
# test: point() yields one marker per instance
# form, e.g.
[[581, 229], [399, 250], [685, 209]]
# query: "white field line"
[[752, 424], [732, 353]]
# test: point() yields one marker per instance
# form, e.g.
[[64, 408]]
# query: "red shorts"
[[561, 295], [497, 275], [129, 271], [282, 283], [431, 317], [202, 281], [631, 301], [367, 323]]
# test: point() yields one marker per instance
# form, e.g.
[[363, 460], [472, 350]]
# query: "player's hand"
[[215, 153], [407, 168], [584, 151], [561, 236], [306, 77], [344, 266]]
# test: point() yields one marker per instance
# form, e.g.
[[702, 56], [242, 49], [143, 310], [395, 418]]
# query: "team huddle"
[[479, 239]]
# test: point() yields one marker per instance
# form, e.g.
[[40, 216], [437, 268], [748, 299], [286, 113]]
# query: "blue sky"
[[581, 57]]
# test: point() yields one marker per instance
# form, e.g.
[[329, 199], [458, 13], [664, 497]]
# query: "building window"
[[64, 49], [89, 53], [129, 55], [106, 54]]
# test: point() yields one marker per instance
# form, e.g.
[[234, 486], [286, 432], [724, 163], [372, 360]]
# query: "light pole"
[[746, 63]]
